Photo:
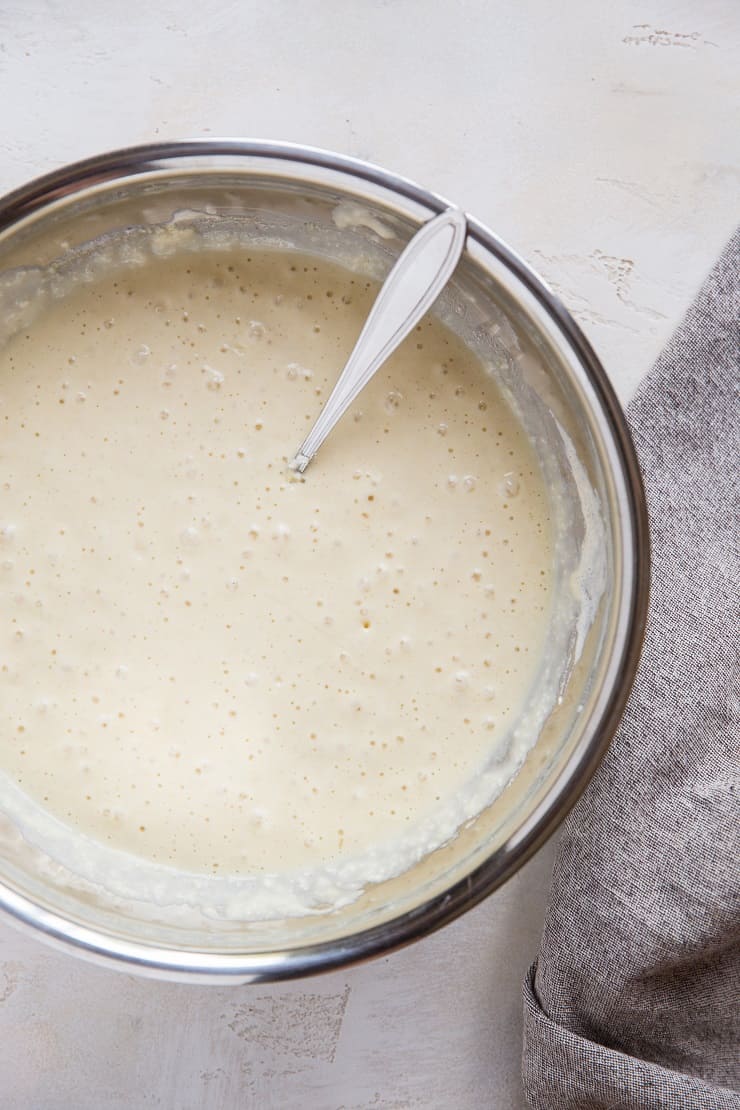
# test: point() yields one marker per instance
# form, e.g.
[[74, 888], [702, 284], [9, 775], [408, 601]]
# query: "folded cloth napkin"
[[634, 1002]]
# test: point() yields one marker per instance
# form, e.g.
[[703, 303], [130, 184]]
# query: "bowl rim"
[[172, 963]]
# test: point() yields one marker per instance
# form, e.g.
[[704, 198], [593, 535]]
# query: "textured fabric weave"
[[634, 1002]]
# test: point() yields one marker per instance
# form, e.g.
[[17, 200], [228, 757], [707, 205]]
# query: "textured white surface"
[[598, 140]]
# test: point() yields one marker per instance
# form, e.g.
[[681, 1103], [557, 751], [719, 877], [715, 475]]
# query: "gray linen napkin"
[[634, 1002]]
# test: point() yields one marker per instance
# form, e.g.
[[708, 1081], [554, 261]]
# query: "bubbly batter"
[[208, 663]]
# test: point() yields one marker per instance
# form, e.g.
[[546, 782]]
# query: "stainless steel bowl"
[[264, 189]]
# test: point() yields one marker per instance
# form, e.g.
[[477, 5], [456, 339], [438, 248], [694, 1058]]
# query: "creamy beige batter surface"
[[209, 664]]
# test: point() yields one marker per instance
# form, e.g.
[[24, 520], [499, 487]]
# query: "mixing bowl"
[[66, 228]]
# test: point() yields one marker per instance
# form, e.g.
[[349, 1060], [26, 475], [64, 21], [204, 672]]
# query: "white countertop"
[[598, 141]]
